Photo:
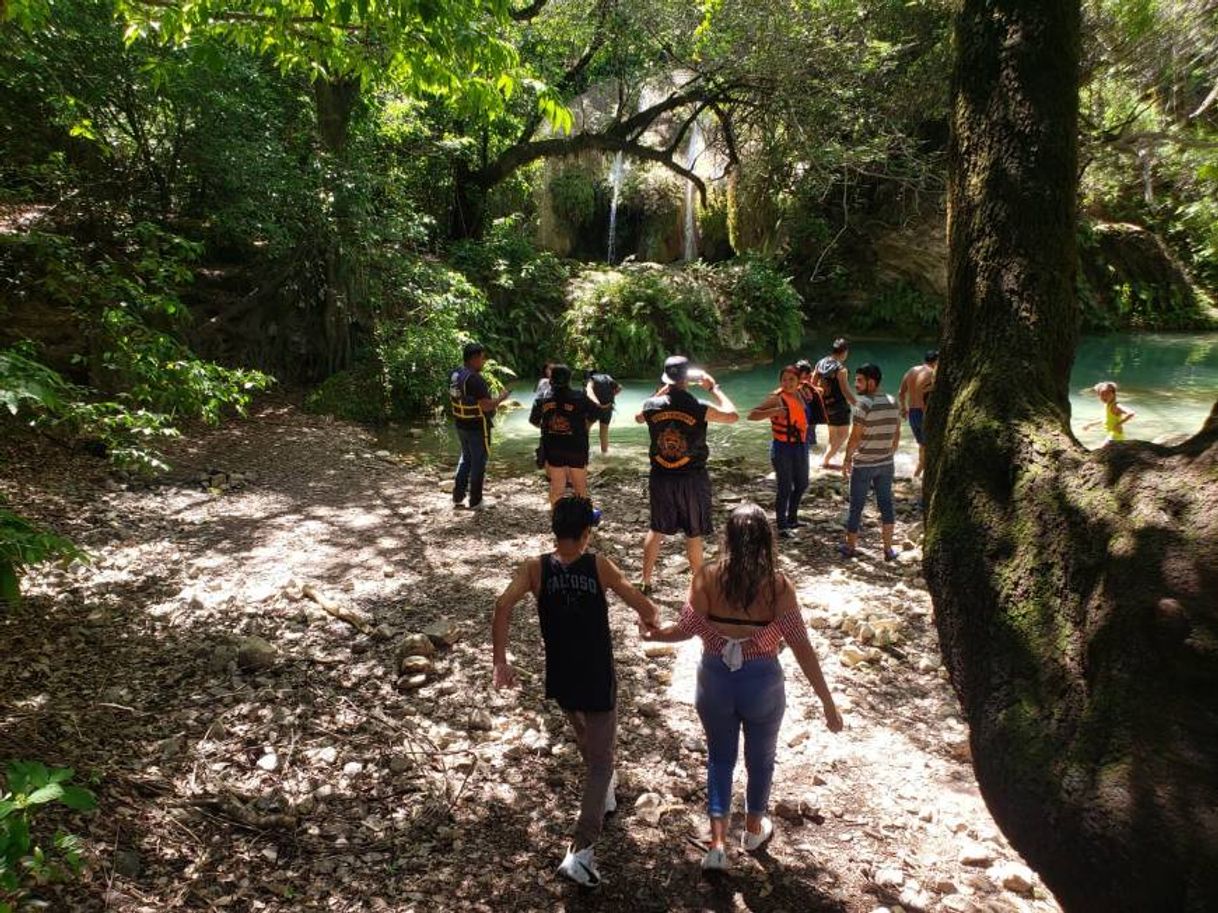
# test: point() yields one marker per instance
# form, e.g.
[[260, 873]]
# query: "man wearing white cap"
[[679, 485]]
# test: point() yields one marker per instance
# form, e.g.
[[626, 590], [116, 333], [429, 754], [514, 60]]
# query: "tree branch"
[[525, 13]]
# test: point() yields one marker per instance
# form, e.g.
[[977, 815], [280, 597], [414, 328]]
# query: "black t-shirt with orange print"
[[677, 424]]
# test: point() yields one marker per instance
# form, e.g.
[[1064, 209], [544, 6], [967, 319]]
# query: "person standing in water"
[[569, 585], [603, 390], [563, 415], [834, 383], [473, 410], [1115, 415], [911, 397], [788, 415], [679, 487]]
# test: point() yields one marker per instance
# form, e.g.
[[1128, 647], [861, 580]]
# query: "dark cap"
[[471, 349], [870, 371], [560, 376], [931, 356], [676, 370]]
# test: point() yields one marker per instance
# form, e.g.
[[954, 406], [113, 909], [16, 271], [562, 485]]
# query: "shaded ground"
[[321, 784]]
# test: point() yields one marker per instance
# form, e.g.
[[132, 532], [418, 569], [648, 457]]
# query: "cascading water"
[[694, 150], [615, 178]]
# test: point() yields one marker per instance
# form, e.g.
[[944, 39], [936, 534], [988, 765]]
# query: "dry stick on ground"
[[353, 617]]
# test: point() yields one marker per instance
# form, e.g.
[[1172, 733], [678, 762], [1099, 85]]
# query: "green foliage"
[[22, 545], [24, 861], [525, 290], [901, 309], [426, 311], [765, 304], [573, 198], [626, 320]]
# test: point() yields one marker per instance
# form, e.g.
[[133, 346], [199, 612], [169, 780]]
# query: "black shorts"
[[681, 502], [606, 413], [839, 417], [567, 459]]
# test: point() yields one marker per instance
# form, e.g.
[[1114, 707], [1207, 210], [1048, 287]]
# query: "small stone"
[[416, 644], [255, 655], [327, 755], [270, 854], [787, 810], [415, 665], [809, 807], [852, 656], [443, 633], [269, 761], [654, 651], [976, 856], [818, 780], [649, 807], [1013, 877], [399, 764], [410, 682], [956, 903], [352, 768], [481, 720], [889, 877], [945, 886], [926, 664], [799, 737]]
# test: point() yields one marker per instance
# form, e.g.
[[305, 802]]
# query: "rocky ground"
[[276, 675]]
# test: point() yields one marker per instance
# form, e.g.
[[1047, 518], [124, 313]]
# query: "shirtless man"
[[911, 397]]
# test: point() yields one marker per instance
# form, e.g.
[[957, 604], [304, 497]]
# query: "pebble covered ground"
[[276, 675]]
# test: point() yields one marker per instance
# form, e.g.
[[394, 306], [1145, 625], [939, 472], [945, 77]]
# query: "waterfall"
[[696, 145], [615, 178]]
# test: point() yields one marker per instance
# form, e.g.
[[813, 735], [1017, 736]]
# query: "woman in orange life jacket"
[[788, 416]]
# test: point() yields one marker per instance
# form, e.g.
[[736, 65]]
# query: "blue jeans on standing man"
[[790, 462], [753, 698], [471, 468], [862, 480]]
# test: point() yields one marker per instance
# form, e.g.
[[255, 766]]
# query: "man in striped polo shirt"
[[869, 452]]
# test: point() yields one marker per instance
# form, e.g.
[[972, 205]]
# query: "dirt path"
[[314, 778]]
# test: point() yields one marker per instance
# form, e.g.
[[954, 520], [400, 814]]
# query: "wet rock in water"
[[255, 654], [1013, 877], [416, 644], [443, 633], [415, 665]]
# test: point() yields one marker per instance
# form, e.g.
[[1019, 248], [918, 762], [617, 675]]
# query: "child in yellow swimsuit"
[[1115, 415]]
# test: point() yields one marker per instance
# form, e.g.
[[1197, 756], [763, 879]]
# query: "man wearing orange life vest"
[[788, 416]]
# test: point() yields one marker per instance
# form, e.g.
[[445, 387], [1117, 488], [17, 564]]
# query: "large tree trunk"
[[1076, 593]]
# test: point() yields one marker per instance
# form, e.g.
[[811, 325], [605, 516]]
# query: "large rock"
[[443, 633], [416, 644]]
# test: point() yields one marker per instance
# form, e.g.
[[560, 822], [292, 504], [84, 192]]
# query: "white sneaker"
[[752, 842], [580, 867], [611, 795], [715, 860], [481, 505]]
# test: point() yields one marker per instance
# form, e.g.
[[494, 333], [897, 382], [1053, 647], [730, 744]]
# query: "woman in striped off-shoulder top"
[[743, 608]]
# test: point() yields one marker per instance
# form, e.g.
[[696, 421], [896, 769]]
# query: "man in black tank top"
[[569, 585]]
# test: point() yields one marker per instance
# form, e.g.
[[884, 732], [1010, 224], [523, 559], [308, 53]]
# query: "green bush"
[[525, 289], [573, 198], [627, 319], [357, 395], [22, 544], [900, 308], [24, 861], [765, 304]]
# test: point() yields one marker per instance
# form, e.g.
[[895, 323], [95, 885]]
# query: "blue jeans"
[[862, 480], [471, 468], [752, 697], [790, 462]]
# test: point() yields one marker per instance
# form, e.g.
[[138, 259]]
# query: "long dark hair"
[[748, 557]]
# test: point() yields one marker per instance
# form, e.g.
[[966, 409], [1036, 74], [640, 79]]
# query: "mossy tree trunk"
[[1076, 593]]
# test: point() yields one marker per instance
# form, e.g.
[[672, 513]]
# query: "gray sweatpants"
[[596, 736]]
